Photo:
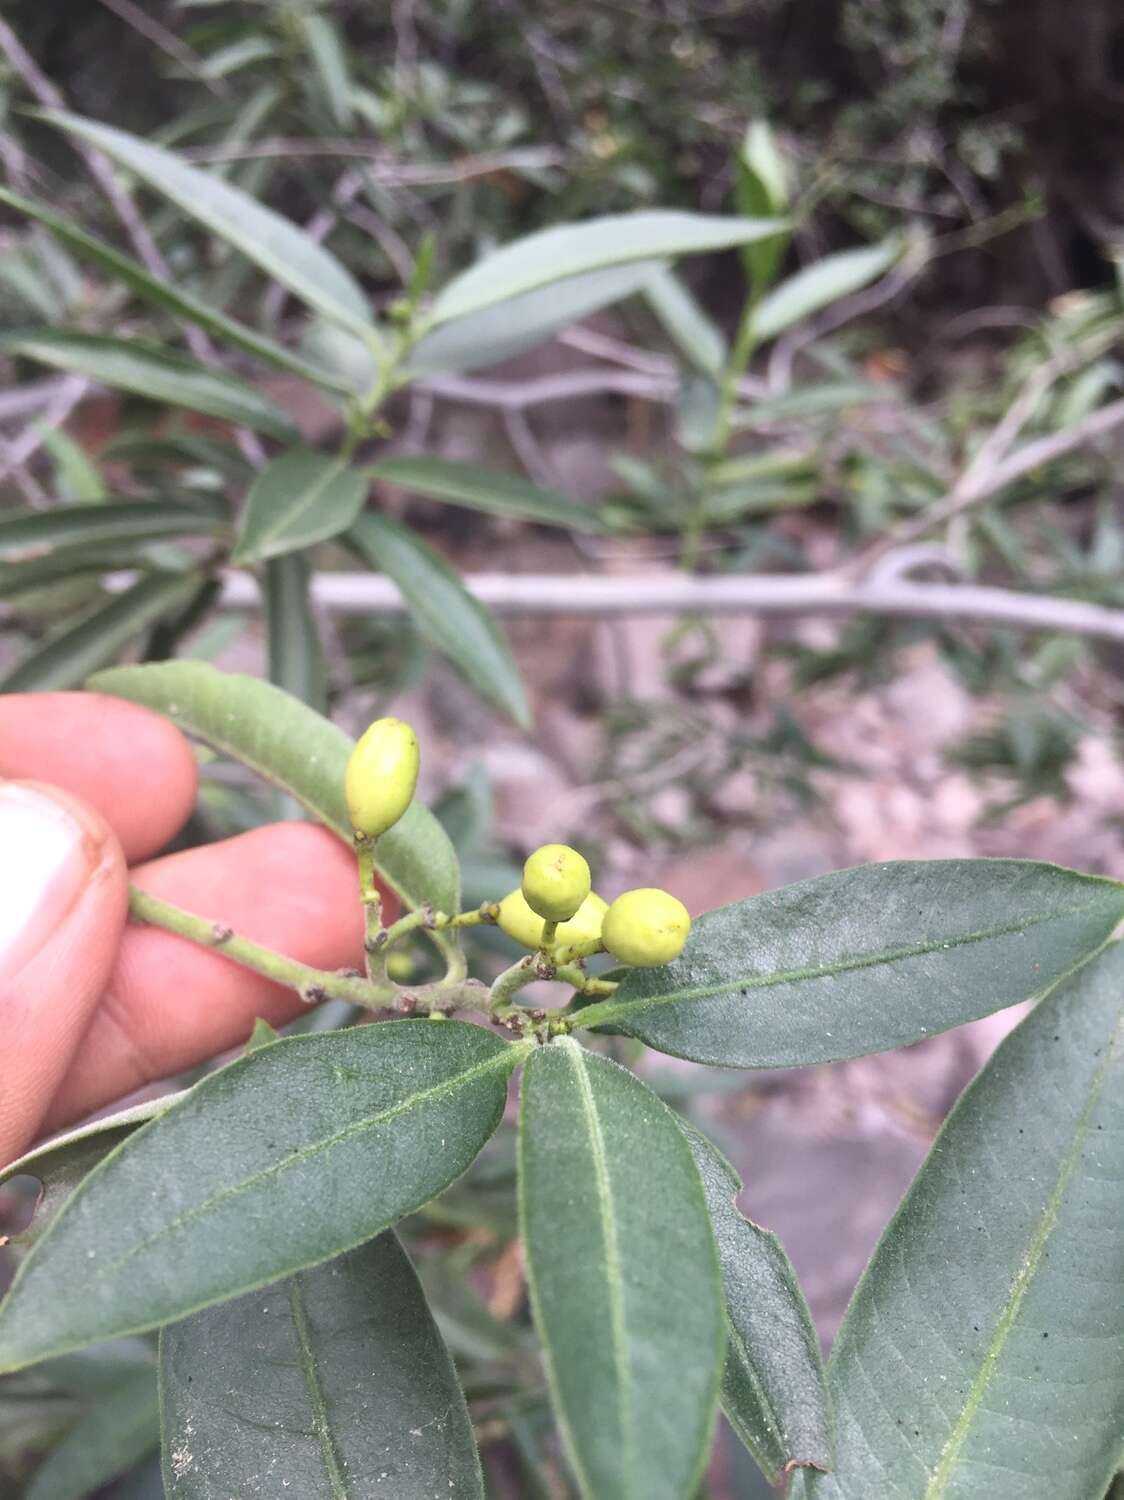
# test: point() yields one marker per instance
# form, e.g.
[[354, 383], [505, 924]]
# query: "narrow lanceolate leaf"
[[292, 1154], [300, 498], [300, 752], [820, 284], [115, 1434], [68, 658], [35, 534], [167, 295], [504, 329], [773, 1389], [624, 1278], [151, 371], [296, 657], [551, 255], [284, 252], [865, 959], [323, 43], [331, 1385], [489, 490], [685, 322], [61, 1163], [983, 1353], [446, 612]]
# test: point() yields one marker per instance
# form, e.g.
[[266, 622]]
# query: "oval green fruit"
[[381, 776], [519, 922], [555, 882], [646, 928]]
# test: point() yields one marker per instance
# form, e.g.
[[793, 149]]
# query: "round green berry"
[[555, 882], [646, 928], [519, 922], [381, 776]]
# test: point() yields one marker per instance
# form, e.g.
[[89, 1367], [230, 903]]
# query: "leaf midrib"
[[610, 1013], [320, 1420], [357, 1127], [942, 1475], [613, 1279], [285, 520]]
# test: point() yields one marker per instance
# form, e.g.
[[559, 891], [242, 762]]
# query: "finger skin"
[[56, 967], [132, 766], [169, 1003]]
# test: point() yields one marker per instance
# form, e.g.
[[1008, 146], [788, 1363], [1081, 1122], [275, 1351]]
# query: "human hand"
[[92, 1007]]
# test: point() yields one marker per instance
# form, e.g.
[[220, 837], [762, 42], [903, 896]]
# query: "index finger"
[[126, 762]]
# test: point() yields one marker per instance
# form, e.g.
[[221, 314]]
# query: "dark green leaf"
[[983, 1353], [68, 658], [552, 255], [448, 615], [283, 251], [331, 1385], [324, 1139], [115, 1434], [298, 751], [300, 498], [61, 1163], [761, 187], [168, 295], [488, 490], [624, 1278], [323, 43], [153, 372], [34, 534], [865, 959], [773, 1390], [508, 328], [296, 657]]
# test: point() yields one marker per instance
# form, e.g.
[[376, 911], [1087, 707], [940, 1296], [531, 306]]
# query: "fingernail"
[[47, 856]]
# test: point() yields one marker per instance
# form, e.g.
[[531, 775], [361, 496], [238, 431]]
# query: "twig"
[[384, 168], [988, 474], [756, 594], [161, 37], [30, 397], [66, 397], [517, 395]]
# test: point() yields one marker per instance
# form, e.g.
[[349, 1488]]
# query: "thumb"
[[63, 902]]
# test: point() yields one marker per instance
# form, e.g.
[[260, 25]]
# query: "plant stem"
[[373, 942], [583, 982], [313, 985], [509, 983]]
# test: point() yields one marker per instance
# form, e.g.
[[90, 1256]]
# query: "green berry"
[[519, 922], [555, 882], [381, 776], [646, 928]]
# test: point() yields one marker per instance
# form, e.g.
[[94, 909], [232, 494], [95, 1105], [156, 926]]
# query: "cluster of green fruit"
[[555, 911]]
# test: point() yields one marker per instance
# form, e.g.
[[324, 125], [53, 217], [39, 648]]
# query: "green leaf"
[[323, 43], [983, 1353], [326, 1139], [302, 497], [284, 252], [761, 187], [623, 1274], [67, 658], [773, 1390], [167, 295], [34, 534], [114, 1435], [335, 1379], [508, 328], [489, 490], [61, 1163], [296, 657], [820, 284], [298, 751], [446, 612], [685, 322], [865, 959], [153, 372], [551, 255], [77, 477]]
